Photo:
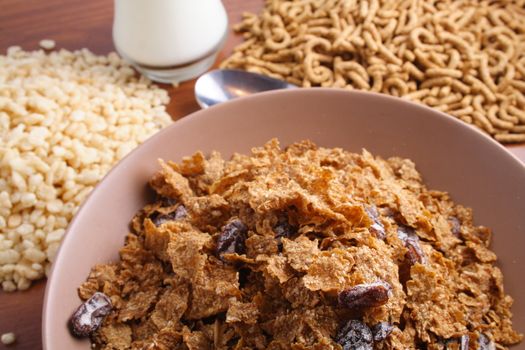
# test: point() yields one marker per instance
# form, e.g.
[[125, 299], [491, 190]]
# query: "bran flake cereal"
[[301, 248]]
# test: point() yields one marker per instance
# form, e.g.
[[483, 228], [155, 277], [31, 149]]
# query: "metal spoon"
[[221, 85]]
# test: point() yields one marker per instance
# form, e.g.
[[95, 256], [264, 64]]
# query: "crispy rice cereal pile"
[[463, 57], [66, 117], [302, 248]]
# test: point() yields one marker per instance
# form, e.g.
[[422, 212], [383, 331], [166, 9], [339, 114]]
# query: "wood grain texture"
[[76, 24]]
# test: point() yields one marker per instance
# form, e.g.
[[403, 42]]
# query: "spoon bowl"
[[221, 85]]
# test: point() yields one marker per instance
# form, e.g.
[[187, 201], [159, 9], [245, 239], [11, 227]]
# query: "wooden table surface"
[[77, 24]]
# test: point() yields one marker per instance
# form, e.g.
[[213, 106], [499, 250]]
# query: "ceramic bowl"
[[452, 156]]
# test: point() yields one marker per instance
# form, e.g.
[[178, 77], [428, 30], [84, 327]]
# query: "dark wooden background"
[[75, 24]]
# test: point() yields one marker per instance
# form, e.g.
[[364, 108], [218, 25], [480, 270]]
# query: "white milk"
[[168, 35]]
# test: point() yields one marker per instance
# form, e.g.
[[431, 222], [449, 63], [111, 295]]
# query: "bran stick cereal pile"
[[462, 57]]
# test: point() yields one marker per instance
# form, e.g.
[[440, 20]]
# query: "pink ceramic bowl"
[[452, 156]]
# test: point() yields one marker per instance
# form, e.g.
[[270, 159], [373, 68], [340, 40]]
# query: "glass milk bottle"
[[169, 40]]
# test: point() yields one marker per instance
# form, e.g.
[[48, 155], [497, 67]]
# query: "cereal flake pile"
[[301, 248], [462, 57], [65, 119]]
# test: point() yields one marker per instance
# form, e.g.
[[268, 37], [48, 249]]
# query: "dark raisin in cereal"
[[484, 343], [455, 226], [461, 343], [382, 330], [284, 229], [377, 227], [159, 219], [231, 239], [464, 342], [355, 335], [415, 253], [180, 212], [365, 295], [89, 316], [405, 232], [411, 241]]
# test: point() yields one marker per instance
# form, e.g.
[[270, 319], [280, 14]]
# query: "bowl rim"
[[208, 113]]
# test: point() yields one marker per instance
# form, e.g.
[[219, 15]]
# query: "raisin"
[[180, 212], [284, 229], [484, 343], [89, 316], [414, 254], [461, 343], [377, 227], [159, 219], [231, 239], [455, 226], [382, 330], [355, 335], [365, 295], [405, 233], [411, 241]]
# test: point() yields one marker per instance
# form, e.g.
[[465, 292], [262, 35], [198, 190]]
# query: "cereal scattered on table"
[[8, 338], [301, 248], [47, 44]]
